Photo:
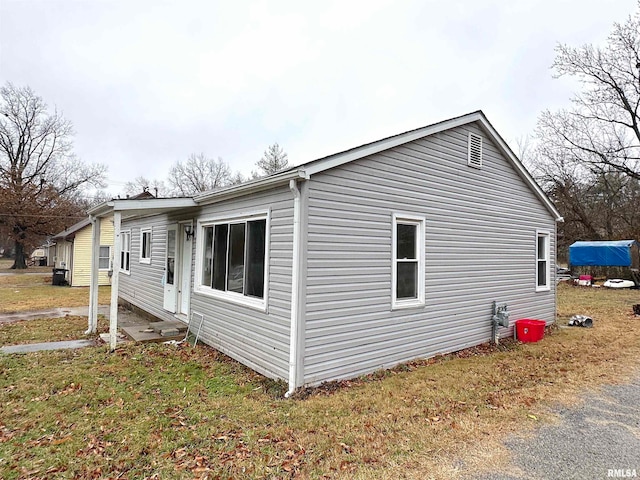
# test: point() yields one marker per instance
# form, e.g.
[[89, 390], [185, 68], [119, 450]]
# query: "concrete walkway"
[[51, 313], [136, 328], [37, 347]]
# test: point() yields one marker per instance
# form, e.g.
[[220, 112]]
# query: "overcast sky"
[[146, 83]]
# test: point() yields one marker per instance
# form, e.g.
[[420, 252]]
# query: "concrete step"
[[158, 327], [169, 332]]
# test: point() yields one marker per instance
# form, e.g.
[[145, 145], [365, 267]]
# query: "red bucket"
[[529, 330]]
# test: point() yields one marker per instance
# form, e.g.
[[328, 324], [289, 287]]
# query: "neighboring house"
[[388, 252], [73, 252]]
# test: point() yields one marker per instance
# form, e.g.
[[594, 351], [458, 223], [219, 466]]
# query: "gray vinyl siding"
[[255, 338], [480, 247], [143, 286]]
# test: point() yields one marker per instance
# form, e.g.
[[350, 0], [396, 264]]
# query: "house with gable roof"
[[381, 254]]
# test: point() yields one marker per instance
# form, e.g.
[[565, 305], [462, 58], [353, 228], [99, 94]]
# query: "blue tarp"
[[601, 254]]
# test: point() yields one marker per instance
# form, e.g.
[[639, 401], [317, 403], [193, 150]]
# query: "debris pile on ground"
[[580, 321]]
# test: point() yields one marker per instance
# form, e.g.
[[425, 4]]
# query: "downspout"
[[295, 292]]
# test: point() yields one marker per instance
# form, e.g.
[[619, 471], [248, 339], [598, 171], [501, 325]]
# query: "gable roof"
[[142, 195], [325, 163], [70, 232], [478, 116], [134, 207]]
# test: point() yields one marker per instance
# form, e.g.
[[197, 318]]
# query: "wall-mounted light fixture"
[[189, 231]]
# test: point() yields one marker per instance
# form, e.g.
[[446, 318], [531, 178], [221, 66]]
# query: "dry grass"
[[22, 293], [193, 413], [6, 263]]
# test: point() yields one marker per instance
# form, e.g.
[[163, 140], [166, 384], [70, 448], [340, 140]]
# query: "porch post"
[[92, 321], [115, 280]]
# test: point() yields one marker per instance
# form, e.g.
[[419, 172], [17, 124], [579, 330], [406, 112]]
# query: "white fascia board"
[[153, 203], [261, 184], [101, 209], [387, 143], [391, 142], [522, 171], [141, 207]]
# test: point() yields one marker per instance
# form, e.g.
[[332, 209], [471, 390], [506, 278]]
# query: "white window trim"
[[233, 297], [122, 270], [547, 235], [142, 259], [110, 256], [419, 221]]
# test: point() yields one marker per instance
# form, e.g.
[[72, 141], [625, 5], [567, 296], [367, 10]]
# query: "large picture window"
[[233, 258], [125, 251], [408, 262], [542, 261]]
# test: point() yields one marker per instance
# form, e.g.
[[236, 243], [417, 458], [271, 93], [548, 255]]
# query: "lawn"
[[166, 411], [71, 327], [6, 263], [22, 292]]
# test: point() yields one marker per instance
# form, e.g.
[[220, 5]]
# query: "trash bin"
[[59, 276], [43, 262], [530, 330]]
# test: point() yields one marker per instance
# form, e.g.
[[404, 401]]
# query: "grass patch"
[[22, 293], [71, 327], [160, 411]]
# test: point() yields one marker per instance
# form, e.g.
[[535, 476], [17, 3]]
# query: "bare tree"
[[273, 160], [39, 175], [142, 184], [602, 130], [587, 157], [199, 173], [237, 178]]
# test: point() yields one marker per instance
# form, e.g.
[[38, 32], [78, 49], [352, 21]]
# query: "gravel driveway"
[[597, 439]]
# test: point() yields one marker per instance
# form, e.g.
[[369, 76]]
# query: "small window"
[[233, 259], [125, 251], [145, 246], [408, 262], [542, 261], [475, 151], [104, 258]]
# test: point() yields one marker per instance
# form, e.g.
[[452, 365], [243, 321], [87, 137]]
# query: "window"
[[408, 262], [104, 258], [145, 245], [233, 259], [125, 251], [542, 261]]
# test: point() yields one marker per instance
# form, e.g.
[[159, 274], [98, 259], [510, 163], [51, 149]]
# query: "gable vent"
[[475, 151]]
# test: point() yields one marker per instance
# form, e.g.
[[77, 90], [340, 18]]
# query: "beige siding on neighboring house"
[[81, 265]]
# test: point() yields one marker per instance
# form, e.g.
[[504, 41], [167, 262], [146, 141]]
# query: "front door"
[[170, 292], [185, 268]]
